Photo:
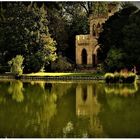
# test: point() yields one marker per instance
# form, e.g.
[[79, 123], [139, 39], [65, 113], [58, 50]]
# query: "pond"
[[63, 109]]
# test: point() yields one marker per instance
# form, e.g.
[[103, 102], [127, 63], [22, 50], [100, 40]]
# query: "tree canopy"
[[39, 31], [118, 46], [24, 31]]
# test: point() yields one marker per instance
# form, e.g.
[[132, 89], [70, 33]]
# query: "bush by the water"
[[122, 77], [16, 65]]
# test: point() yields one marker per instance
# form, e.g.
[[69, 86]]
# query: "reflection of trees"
[[3, 90], [65, 110], [44, 106], [16, 89], [121, 89], [61, 88], [32, 117], [120, 114], [48, 108], [67, 130]]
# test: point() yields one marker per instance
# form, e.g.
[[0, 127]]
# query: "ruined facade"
[[87, 45]]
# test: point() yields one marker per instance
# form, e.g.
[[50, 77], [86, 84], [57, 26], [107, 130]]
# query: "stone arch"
[[94, 55], [84, 56], [98, 25]]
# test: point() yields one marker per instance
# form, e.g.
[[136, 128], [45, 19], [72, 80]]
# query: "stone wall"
[[89, 42], [86, 42]]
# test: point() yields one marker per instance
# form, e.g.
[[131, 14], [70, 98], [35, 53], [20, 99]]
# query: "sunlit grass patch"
[[62, 74]]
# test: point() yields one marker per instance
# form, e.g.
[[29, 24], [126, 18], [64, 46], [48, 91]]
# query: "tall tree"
[[66, 20], [131, 40], [112, 38], [26, 33], [95, 8]]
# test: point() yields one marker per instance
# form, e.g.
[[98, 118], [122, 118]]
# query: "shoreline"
[[54, 78], [23, 77]]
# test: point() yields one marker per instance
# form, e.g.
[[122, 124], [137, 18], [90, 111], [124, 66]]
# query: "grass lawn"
[[62, 74]]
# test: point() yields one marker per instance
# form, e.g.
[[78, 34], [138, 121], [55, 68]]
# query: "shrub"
[[100, 68], [131, 77], [16, 65], [61, 64], [4, 69], [109, 78], [122, 77], [116, 77]]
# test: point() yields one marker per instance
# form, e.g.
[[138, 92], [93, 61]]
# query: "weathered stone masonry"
[[87, 45]]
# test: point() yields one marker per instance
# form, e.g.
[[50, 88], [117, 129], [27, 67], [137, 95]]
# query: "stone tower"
[[87, 45]]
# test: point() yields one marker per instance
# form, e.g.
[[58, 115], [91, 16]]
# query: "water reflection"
[[67, 129], [121, 89], [63, 109], [16, 89], [89, 107], [86, 102]]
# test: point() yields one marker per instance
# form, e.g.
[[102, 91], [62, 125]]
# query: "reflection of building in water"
[[87, 105], [86, 101]]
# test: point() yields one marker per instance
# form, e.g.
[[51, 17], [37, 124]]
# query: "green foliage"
[[131, 41], [16, 65], [114, 59], [26, 33], [61, 64], [117, 38], [100, 8], [72, 20], [120, 77], [109, 77]]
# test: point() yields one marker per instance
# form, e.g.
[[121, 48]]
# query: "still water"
[[69, 109]]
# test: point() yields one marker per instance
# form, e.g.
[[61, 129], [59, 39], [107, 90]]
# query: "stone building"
[[87, 45]]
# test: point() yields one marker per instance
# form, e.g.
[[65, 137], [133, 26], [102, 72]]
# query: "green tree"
[[16, 65], [57, 25], [112, 39], [95, 8], [61, 64], [72, 20], [26, 33], [114, 60], [131, 33]]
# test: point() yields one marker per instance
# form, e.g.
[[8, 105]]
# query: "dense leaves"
[[29, 29], [66, 20], [24, 31], [116, 39], [16, 65]]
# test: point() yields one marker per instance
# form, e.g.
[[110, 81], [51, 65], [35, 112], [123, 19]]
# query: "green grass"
[[62, 74]]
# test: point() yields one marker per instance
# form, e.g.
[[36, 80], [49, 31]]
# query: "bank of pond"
[[127, 77]]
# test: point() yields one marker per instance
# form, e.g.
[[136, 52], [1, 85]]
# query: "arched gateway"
[[84, 57], [87, 45]]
